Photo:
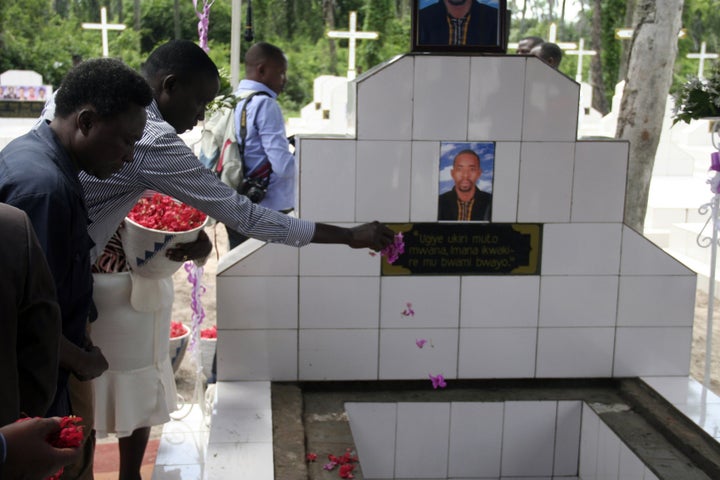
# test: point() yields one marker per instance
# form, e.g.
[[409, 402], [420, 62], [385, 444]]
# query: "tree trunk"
[[625, 48], [599, 100], [652, 57], [329, 14], [137, 15]]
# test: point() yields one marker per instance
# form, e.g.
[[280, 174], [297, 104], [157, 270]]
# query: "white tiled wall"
[[607, 302], [493, 440]]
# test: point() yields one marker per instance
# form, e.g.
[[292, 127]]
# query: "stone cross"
[[352, 35], [104, 27], [702, 56], [580, 52], [552, 38]]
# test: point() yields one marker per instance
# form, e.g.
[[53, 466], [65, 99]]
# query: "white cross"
[[703, 55], [552, 38], [580, 52], [104, 27], [352, 35]]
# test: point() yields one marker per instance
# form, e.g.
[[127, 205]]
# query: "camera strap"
[[263, 170]]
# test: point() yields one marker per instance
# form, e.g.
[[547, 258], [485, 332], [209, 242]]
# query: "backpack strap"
[[264, 170]]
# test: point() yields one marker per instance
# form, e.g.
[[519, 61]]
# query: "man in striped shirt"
[[185, 80]]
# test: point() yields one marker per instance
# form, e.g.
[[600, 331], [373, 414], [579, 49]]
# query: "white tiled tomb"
[[606, 301]]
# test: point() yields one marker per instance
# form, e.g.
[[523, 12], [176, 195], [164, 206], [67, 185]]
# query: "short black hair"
[[467, 151], [107, 84], [534, 41], [182, 58], [263, 51], [551, 51]]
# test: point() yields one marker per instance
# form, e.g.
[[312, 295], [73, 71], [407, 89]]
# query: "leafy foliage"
[[697, 98]]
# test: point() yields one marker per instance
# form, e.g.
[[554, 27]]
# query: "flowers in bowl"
[[156, 223], [698, 98], [161, 212], [179, 336], [208, 343]]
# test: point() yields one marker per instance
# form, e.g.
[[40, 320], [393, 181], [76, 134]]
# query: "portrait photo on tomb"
[[468, 26], [465, 181]]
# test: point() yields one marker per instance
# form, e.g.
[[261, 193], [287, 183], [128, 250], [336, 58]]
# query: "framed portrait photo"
[[468, 26], [465, 184]]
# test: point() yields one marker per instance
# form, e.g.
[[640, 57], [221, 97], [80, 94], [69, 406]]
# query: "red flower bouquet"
[[70, 435], [158, 222]]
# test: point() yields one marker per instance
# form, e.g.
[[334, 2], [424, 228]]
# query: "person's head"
[[466, 171], [267, 64], [549, 53], [184, 80], [41, 92], [100, 114], [526, 44]]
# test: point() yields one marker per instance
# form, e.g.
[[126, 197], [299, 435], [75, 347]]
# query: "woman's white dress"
[[138, 389]]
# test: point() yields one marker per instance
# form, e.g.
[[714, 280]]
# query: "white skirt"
[[138, 389]]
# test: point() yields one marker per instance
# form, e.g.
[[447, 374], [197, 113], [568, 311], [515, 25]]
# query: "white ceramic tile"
[[328, 259], [631, 467], [652, 351], [500, 301], [177, 472], [649, 475], [657, 301], [497, 352], [243, 425], [177, 448], [440, 104], [268, 260], [383, 183], [244, 395], [402, 358], [373, 431], [581, 249], [608, 453], [599, 181], [549, 95], [327, 180], [506, 182], [640, 256], [422, 440], [424, 181], [339, 302], [257, 355], [575, 352], [589, 436], [578, 301], [187, 420], [239, 461], [331, 354], [546, 170], [682, 390], [707, 417], [385, 102], [257, 302], [496, 97], [475, 439], [435, 302], [525, 449], [567, 438]]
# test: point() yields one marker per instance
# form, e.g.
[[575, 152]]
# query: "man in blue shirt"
[[268, 162], [100, 114]]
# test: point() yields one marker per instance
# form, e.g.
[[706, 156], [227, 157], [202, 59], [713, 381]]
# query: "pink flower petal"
[[420, 343], [437, 381]]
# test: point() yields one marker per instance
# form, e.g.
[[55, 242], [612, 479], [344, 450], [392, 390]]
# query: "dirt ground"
[[185, 377]]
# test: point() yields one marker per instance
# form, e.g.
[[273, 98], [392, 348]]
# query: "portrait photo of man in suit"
[[467, 194], [458, 23]]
